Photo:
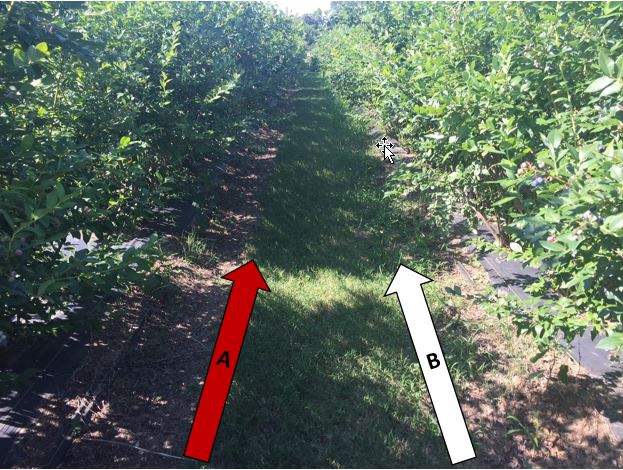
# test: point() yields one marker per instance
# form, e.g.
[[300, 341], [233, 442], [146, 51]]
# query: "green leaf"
[[574, 281], [455, 290], [614, 88], [503, 201], [612, 342], [616, 172], [536, 375], [35, 54], [554, 138], [606, 63], [8, 219], [60, 191], [51, 200], [124, 141], [619, 66], [19, 58], [538, 356], [27, 142], [599, 84], [43, 287], [552, 246], [614, 223], [43, 48]]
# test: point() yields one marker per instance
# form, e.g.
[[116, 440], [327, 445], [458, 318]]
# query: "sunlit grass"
[[197, 250]]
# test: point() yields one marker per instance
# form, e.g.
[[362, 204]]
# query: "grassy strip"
[[328, 376]]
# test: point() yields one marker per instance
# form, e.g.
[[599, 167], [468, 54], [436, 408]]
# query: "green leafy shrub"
[[513, 112], [107, 112]]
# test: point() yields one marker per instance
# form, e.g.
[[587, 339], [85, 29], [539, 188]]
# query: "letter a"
[[433, 362], [224, 359]]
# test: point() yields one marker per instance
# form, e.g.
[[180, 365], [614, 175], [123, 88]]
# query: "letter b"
[[433, 362]]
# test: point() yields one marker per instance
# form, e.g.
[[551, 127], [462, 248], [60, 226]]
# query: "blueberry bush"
[[108, 112], [514, 112]]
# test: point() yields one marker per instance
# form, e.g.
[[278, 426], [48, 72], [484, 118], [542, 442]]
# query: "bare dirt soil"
[[523, 415]]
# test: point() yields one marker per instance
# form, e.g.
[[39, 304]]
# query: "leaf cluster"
[[514, 113]]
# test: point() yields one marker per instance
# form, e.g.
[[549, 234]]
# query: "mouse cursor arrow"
[[388, 154]]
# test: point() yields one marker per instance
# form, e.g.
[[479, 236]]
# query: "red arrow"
[[247, 281]]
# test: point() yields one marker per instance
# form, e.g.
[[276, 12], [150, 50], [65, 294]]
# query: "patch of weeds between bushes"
[[196, 250]]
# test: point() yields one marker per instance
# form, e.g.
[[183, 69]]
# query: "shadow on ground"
[[556, 425]]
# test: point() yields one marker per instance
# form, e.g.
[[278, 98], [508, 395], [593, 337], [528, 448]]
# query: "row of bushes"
[[514, 113], [107, 112]]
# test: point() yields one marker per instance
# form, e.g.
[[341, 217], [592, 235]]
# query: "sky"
[[300, 7]]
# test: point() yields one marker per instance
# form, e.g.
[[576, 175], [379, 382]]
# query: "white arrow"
[[407, 284]]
